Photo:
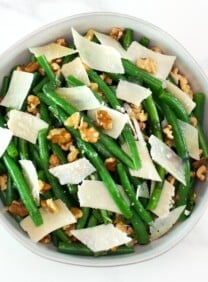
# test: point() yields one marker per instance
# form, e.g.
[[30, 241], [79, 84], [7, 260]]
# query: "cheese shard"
[[118, 120], [31, 177], [51, 221], [166, 200], [52, 51], [96, 56], [73, 173], [102, 237], [5, 137], [164, 63], [132, 92], [183, 97], [191, 137], [94, 194], [163, 224], [167, 158], [81, 97], [77, 69], [143, 191], [109, 41], [18, 89], [25, 125]]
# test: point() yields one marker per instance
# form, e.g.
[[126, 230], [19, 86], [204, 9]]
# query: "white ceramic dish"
[[104, 22]]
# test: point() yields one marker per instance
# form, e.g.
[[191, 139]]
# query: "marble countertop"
[[187, 21]]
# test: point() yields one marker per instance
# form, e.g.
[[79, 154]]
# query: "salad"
[[101, 143]]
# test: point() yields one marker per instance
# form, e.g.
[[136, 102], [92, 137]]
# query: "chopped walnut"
[[77, 213], [61, 137], [3, 182], [32, 104], [169, 142], [197, 164], [138, 113], [30, 67], [68, 228], [54, 161], [43, 186], [124, 227], [182, 81], [193, 121], [106, 78], [110, 164], [49, 205], [116, 33], [171, 179], [147, 64], [201, 173], [168, 131], [88, 134], [103, 119], [18, 208], [55, 66], [46, 240], [156, 49], [90, 34], [73, 154], [93, 86], [61, 41], [73, 120]]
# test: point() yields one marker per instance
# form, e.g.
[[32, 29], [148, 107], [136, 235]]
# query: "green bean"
[[44, 113], [10, 191], [149, 81], [81, 223], [68, 58], [126, 184], [36, 79], [61, 235], [23, 189], [39, 86], [127, 38], [203, 144], [199, 99], [144, 41], [92, 221], [43, 147], [105, 216], [3, 197], [140, 229], [23, 149], [5, 86], [46, 67], [12, 150]]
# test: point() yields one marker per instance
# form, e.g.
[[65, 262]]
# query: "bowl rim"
[[117, 261]]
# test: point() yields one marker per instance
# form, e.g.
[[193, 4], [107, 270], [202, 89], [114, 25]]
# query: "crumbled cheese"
[[51, 221], [73, 173], [102, 237], [25, 125], [6, 137], [18, 89]]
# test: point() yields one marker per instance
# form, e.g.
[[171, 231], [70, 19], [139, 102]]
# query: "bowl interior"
[[104, 22]]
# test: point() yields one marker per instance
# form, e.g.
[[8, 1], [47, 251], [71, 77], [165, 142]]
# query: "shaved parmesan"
[[31, 177], [77, 69], [191, 137], [94, 194], [110, 41], [96, 56], [142, 191], [163, 224], [73, 173], [183, 97], [102, 237], [81, 97], [163, 62], [52, 51], [51, 221], [118, 120], [166, 200], [131, 92], [6, 137], [167, 158], [25, 125], [18, 89]]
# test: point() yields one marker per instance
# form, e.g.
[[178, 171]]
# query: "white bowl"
[[104, 22]]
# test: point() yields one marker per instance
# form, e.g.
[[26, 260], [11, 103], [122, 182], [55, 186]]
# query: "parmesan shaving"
[[6, 137]]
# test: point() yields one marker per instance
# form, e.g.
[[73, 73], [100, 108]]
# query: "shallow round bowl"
[[103, 22]]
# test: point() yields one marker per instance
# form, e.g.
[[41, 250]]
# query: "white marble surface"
[[187, 21]]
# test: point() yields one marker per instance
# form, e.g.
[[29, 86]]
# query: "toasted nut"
[[182, 81], [201, 173], [156, 49], [116, 33], [46, 240], [3, 182], [61, 137], [168, 131], [73, 120], [90, 34], [31, 67], [55, 67], [106, 78], [32, 104], [147, 64], [103, 119], [54, 161], [18, 208], [88, 134], [93, 86], [110, 164], [138, 113], [73, 154], [193, 121], [169, 142], [43, 186], [124, 228], [171, 179], [68, 229], [77, 213], [49, 205], [61, 41], [197, 164]]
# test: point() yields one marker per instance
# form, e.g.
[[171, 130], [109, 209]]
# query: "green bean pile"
[[53, 109]]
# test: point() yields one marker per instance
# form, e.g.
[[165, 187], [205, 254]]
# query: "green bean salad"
[[102, 143]]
